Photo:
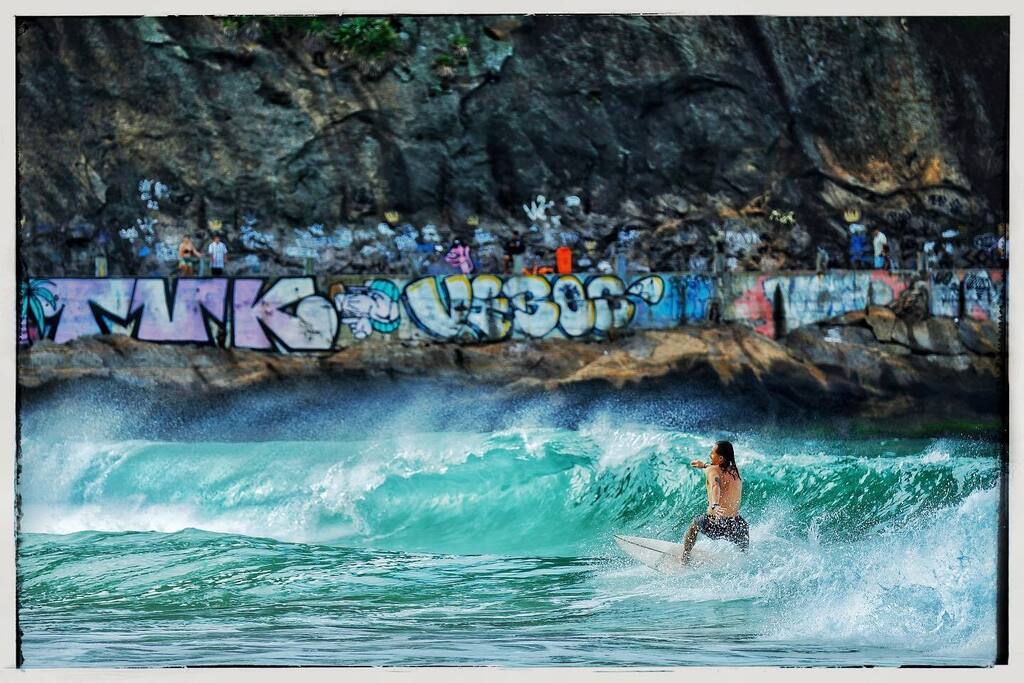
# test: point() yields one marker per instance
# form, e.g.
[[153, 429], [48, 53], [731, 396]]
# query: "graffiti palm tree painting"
[[35, 296]]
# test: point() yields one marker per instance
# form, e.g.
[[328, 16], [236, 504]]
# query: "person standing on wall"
[[515, 252], [188, 256], [858, 246], [895, 253], [880, 245], [218, 256], [459, 257], [719, 257]]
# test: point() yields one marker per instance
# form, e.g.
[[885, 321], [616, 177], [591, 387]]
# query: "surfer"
[[725, 487]]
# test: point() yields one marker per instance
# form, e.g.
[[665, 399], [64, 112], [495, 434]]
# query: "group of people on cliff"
[[873, 249], [874, 253], [460, 257], [868, 249]]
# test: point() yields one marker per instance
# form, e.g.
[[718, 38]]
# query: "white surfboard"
[[664, 556]]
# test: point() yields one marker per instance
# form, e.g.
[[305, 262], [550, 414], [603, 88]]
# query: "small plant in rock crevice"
[[782, 217], [364, 38], [444, 66], [459, 46], [369, 43]]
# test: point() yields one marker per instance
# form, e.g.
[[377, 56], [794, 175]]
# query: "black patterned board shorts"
[[734, 529]]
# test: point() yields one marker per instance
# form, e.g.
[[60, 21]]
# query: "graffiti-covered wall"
[[307, 314], [293, 314], [976, 294], [808, 298]]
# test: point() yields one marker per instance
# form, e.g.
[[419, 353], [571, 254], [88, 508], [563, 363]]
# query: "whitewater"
[[407, 538]]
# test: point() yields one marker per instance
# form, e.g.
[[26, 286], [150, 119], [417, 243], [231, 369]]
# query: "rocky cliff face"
[[655, 135]]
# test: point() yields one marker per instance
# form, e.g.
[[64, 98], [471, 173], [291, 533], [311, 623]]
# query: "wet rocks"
[[807, 371]]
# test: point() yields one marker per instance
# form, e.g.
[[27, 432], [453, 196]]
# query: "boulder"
[[897, 348], [855, 335], [888, 328], [935, 336], [808, 344], [850, 318], [980, 336], [863, 365], [881, 321], [900, 334]]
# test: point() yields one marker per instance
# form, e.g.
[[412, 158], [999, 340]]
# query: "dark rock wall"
[[678, 128]]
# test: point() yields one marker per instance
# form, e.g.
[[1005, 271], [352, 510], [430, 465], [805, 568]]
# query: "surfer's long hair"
[[724, 449]]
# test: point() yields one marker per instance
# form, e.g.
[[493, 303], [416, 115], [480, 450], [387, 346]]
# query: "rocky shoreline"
[[869, 364]]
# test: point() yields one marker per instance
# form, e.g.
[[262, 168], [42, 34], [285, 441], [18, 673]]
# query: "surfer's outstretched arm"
[[691, 534]]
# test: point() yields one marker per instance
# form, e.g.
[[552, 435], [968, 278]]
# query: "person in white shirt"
[[218, 256], [878, 242]]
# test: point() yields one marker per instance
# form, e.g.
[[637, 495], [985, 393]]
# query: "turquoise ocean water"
[[462, 547]]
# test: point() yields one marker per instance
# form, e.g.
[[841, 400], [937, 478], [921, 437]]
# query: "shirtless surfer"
[[725, 487]]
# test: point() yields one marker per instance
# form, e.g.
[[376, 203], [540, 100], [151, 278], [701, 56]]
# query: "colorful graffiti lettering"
[[808, 299], [290, 314], [886, 287], [945, 294], [981, 290], [982, 295], [529, 298], [441, 307], [533, 306], [178, 310], [753, 306], [87, 307], [698, 293]]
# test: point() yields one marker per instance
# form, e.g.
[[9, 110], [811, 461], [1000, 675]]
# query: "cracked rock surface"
[[673, 129], [812, 370]]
